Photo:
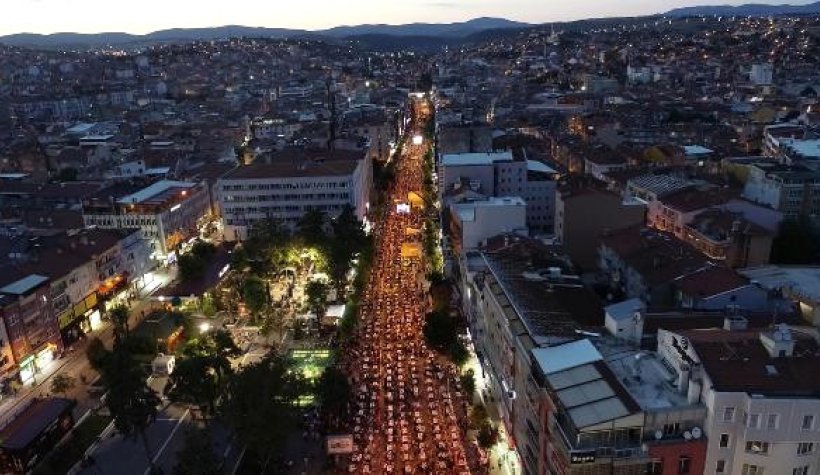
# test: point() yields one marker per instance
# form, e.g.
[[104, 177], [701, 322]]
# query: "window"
[[772, 421], [724, 440], [728, 414], [749, 469], [808, 422], [720, 467], [804, 470], [804, 448], [684, 464], [757, 447], [654, 467], [671, 429], [753, 421]]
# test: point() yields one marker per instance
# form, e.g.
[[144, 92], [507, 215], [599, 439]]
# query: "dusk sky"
[[143, 16]]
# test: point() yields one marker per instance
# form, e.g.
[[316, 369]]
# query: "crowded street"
[[408, 413]]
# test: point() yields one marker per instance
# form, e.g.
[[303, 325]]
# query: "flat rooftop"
[[157, 193], [540, 288], [802, 282], [642, 374], [24, 285], [475, 159], [588, 390]]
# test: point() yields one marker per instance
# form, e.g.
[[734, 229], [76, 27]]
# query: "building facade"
[[286, 190]]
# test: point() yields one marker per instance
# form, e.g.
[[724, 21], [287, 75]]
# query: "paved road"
[[408, 414], [126, 456]]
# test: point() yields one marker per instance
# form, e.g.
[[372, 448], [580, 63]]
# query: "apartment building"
[[762, 409], [288, 187], [504, 174], [794, 190], [168, 212], [568, 404], [473, 222], [30, 334], [611, 408], [586, 211], [519, 295]]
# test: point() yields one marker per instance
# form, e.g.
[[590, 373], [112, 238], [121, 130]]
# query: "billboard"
[[339, 444]]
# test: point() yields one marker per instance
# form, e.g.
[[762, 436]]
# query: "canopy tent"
[[415, 199], [410, 250]]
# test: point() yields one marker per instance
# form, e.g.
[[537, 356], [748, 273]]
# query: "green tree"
[[119, 318], [96, 353], [458, 352], [312, 227], [216, 348], [440, 330], [190, 267], [62, 383], [467, 380], [316, 292], [487, 436], [333, 390], [260, 405], [132, 404], [194, 382], [255, 295], [197, 457]]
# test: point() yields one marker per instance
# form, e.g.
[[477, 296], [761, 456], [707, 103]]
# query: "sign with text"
[[339, 444]]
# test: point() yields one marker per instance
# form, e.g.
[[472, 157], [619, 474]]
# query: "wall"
[[581, 219]]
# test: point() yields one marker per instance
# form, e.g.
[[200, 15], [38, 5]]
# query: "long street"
[[408, 414]]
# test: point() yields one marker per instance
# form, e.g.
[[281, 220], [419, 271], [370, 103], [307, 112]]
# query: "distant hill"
[[431, 32], [447, 30], [751, 9]]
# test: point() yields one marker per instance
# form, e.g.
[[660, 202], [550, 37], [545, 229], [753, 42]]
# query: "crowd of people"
[[407, 409]]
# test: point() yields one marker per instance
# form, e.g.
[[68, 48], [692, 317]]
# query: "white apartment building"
[[792, 190], [518, 296], [286, 189], [501, 174], [761, 393], [168, 213], [475, 221]]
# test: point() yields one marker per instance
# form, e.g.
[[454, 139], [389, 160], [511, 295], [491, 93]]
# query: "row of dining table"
[[407, 410]]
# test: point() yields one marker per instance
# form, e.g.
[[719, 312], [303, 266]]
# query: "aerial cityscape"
[[467, 238]]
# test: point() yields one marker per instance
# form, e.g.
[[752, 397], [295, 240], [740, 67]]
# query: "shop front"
[[36, 362], [79, 320]]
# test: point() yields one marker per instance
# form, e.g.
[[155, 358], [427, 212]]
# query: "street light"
[[204, 327]]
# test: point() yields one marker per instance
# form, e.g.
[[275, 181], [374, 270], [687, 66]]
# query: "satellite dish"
[[687, 435], [697, 433], [658, 434]]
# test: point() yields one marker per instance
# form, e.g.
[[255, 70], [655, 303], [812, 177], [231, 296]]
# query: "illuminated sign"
[[339, 444], [587, 456]]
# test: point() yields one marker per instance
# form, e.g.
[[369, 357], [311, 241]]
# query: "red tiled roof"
[[711, 281]]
